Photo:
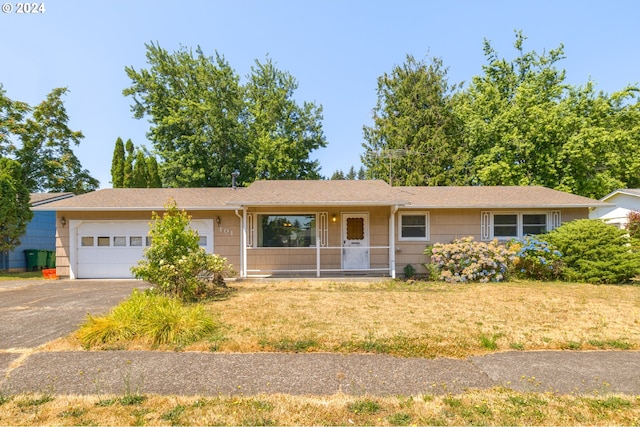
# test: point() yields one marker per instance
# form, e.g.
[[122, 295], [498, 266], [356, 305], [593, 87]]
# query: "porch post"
[[392, 242], [317, 254], [243, 272]]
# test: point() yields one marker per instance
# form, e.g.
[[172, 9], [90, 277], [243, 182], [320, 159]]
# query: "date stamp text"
[[23, 8]]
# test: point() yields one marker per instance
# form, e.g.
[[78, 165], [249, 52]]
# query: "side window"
[[534, 224], [505, 225], [414, 227]]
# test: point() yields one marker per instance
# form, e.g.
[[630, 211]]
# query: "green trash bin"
[[51, 259], [42, 259], [32, 259]]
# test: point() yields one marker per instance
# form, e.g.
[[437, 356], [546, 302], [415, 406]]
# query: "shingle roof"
[[494, 197], [110, 199], [41, 198], [318, 193], [323, 193]]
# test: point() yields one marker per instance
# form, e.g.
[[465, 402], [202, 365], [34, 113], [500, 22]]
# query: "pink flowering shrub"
[[465, 260]]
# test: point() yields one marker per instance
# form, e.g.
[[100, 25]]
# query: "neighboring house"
[[621, 203], [305, 228], [41, 231]]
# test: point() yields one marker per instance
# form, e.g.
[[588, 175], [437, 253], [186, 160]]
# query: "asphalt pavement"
[[33, 313]]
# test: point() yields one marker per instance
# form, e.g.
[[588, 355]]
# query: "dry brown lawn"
[[426, 319]]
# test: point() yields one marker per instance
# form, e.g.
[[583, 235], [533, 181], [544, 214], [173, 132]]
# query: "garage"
[[108, 249]]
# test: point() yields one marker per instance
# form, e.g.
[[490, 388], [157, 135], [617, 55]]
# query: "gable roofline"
[[635, 192]]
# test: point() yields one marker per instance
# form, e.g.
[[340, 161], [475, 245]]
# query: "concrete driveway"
[[34, 312]]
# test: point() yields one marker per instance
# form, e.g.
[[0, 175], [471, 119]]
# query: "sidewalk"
[[188, 373]]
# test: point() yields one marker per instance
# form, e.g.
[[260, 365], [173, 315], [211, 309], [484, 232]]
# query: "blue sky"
[[335, 49]]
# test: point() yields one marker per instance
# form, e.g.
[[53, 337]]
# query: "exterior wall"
[[617, 215], [40, 235], [226, 238], [304, 259], [446, 225]]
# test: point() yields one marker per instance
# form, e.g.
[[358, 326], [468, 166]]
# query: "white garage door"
[[108, 249]]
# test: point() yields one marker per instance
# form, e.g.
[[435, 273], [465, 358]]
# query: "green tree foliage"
[[15, 212], [282, 132], [524, 125], [195, 106], [595, 252], [415, 135], [205, 125], [117, 165], [352, 174], [139, 169], [128, 164], [41, 141], [175, 264]]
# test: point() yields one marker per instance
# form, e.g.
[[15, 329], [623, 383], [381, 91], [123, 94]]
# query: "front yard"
[[420, 319]]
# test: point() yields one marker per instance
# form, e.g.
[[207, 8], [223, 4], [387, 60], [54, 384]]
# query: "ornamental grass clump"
[[147, 318], [465, 260]]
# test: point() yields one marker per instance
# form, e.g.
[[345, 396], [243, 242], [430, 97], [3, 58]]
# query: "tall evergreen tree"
[[140, 175], [128, 164], [117, 165], [154, 176]]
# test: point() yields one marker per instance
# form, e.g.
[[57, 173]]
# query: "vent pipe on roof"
[[234, 176]]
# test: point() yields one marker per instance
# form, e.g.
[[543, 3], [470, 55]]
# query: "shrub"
[[175, 264], [465, 260], [536, 259], [150, 318], [595, 252], [633, 224]]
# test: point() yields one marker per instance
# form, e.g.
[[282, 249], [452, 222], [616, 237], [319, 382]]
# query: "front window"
[[285, 230]]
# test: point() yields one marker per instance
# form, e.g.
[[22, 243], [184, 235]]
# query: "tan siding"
[[449, 224]]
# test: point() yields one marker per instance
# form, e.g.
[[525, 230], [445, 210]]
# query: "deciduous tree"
[[15, 212]]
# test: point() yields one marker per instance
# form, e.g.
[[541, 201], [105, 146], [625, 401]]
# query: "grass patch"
[[497, 406], [25, 275], [148, 318]]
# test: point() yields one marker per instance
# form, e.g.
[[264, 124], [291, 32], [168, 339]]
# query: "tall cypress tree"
[[140, 175], [128, 165], [117, 165], [154, 175]]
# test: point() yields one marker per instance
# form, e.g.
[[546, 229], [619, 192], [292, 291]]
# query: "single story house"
[[621, 202], [40, 233], [313, 228]]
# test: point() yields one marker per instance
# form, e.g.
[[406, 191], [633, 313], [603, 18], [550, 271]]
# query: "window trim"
[[427, 224]]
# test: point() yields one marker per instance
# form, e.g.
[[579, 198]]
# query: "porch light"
[[334, 218], [218, 220], [63, 221]]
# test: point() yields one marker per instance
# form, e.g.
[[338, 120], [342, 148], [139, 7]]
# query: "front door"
[[355, 241]]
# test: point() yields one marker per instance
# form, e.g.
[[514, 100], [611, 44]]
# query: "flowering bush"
[[175, 264], [465, 260], [536, 259]]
